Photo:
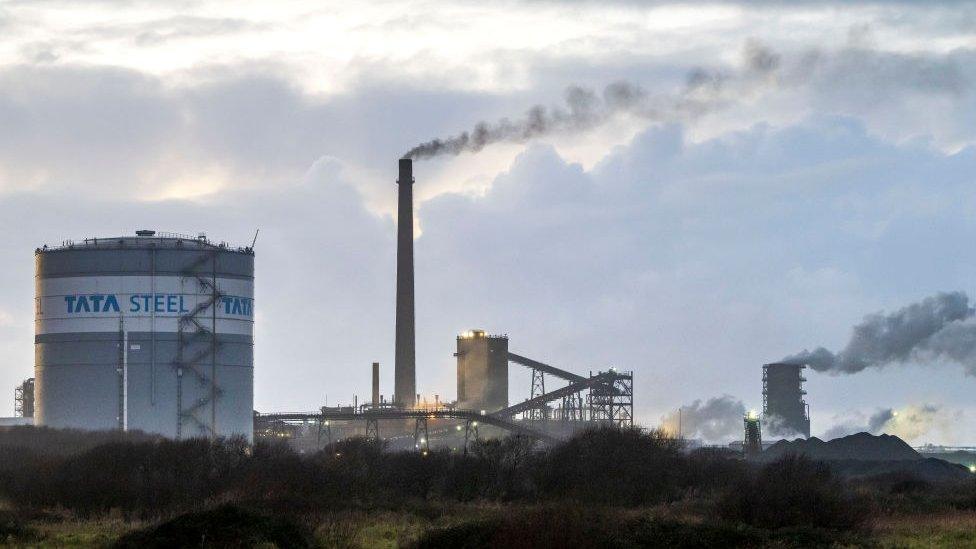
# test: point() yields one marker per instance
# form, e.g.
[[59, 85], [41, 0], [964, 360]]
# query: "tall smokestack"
[[405, 366], [376, 385]]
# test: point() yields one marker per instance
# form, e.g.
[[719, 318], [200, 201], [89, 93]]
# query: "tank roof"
[[146, 239]]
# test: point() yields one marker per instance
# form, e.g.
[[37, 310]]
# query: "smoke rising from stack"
[[909, 423], [846, 75], [717, 419], [938, 328], [777, 426], [584, 109]]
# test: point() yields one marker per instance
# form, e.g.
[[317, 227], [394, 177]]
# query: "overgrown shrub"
[[612, 466], [13, 530], [794, 491]]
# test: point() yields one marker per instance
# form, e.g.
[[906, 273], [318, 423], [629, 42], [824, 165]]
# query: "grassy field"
[[952, 529], [440, 526]]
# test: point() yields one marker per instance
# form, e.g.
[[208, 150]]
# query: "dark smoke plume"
[[584, 109], [846, 76], [940, 327], [718, 419]]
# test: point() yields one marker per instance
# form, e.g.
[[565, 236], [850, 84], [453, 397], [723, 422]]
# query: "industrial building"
[[752, 440], [149, 332], [482, 371], [785, 412], [154, 332], [482, 379], [24, 399]]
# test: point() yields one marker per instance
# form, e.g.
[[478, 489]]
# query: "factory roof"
[[145, 239]]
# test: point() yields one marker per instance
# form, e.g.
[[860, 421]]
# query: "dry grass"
[[950, 529]]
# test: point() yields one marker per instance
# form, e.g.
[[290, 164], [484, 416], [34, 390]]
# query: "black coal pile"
[[866, 455], [860, 446]]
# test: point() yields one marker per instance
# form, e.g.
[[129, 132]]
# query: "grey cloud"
[[183, 26]]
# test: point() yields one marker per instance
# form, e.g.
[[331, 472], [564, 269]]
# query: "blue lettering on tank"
[[171, 304], [96, 300], [111, 304], [82, 303], [134, 304], [183, 309], [70, 300], [158, 303]]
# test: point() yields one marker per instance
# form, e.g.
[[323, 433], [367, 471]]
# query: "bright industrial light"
[[458, 427], [972, 468], [752, 415]]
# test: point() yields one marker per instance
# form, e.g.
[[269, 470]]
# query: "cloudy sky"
[[785, 171]]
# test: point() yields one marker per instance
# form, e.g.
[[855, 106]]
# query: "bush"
[[794, 491], [12, 529], [612, 466], [133, 477]]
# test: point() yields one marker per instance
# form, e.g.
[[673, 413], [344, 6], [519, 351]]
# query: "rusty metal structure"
[[24, 398]]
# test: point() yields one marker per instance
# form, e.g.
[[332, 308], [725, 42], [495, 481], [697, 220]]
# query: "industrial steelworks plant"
[[153, 332], [482, 380]]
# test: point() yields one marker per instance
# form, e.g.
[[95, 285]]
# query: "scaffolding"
[[24, 398], [613, 402]]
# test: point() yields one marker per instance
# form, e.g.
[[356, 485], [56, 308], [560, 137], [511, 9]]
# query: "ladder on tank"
[[193, 329]]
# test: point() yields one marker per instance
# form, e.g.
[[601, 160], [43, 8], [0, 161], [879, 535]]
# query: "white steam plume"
[[716, 420]]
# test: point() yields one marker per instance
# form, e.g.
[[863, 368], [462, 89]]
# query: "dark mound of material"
[[927, 469], [225, 526], [961, 457], [860, 446]]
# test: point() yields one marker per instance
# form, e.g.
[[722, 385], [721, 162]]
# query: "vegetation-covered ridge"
[[606, 487]]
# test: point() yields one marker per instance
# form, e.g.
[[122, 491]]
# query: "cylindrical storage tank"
[[149, 332]]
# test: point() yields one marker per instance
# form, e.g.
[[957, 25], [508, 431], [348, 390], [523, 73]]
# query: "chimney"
[[376, 385], [405, 386]]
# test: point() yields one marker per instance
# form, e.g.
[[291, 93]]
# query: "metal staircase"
[[198, 327]]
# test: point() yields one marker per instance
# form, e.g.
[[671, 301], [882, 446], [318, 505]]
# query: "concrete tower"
[[785, 413], [482, 371], [405, 374]]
